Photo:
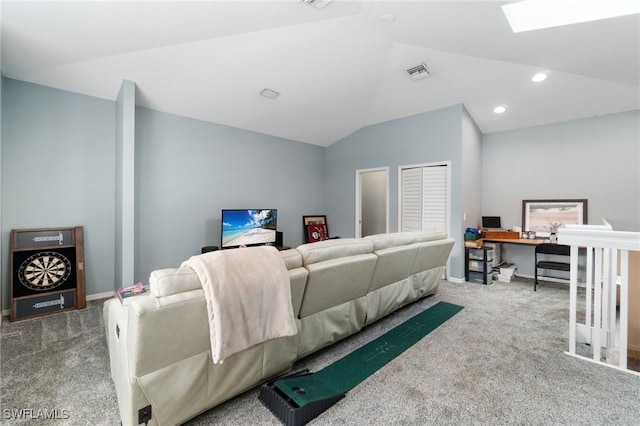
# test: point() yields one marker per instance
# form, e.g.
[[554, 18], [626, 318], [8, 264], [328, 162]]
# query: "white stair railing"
[[607, 270]]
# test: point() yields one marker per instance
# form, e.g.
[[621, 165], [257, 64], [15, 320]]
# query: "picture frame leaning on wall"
[[544, 217], [309, 231]]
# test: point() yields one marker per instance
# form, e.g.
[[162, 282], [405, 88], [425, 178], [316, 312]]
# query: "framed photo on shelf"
[[545, 216], [316, 219], [319, 228], [316, 232]]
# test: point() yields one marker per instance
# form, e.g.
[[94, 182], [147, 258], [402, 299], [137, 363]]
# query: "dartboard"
[[44, 271]]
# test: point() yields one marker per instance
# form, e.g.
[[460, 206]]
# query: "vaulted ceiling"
[[337, 69]]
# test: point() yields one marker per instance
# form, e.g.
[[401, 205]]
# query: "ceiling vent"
[[318, 4], [419, 71], [268, 93]]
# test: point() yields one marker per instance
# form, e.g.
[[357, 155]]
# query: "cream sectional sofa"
[[159, 345]]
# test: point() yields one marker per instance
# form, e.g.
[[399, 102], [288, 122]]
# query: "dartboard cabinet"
[[47, 271]]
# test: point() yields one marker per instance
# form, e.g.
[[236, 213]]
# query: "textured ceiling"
[[338, 69]]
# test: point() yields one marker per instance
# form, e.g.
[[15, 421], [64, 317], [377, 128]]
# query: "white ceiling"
[[338, 69]]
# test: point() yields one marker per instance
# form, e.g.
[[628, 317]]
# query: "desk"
[[521, 257], [522, 241]]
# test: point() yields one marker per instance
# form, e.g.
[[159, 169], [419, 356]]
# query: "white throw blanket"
[[248, 297]]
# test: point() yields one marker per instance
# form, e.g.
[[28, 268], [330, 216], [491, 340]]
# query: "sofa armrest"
[[334, 249], [160, 331]]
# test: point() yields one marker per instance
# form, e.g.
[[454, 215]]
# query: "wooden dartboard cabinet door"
[[47, 271]]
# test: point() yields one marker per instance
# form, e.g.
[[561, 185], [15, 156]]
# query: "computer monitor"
[[491, 222]]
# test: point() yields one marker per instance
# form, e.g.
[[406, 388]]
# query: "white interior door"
[[372, 201]]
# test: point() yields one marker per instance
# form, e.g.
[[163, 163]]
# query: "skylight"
[[527, 15]]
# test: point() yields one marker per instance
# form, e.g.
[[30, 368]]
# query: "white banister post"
[[613, 290], [606, 297], [573, 297], [597, 308], [624, 306], [589, 287]]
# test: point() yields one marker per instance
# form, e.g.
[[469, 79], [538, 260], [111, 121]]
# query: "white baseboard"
[[456, 280], [635, 348], [105, 295], [101, 295]]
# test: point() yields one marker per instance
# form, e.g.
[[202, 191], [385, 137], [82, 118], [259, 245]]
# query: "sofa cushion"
[[337, 281], [334, 249], [430, 235], [292, 258], [383, 241], [394, 239], [164, 282], [394, 264], [432, 254]]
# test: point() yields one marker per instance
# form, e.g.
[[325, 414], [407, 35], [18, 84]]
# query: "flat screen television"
[[248, 227]]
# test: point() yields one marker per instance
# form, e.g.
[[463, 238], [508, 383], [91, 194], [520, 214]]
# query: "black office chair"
[[550, 249]]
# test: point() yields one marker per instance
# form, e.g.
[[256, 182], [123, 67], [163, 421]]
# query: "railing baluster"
[[597, 307], [624, 306], [607, 263], [589, 286], [573, 297]]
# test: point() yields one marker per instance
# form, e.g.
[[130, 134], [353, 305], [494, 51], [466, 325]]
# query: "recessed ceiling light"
[[500, 109], [388, 17], [537, 78], [527, 15], [268, 93]]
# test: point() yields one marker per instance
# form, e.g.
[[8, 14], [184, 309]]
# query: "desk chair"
[[550, 249]]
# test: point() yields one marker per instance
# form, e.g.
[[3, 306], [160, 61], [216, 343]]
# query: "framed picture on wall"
[[545, 216]]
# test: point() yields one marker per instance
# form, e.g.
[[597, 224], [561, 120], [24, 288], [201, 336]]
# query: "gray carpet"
[[499, 361]]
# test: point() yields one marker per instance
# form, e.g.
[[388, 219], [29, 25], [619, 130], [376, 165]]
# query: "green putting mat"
[[344, 374]]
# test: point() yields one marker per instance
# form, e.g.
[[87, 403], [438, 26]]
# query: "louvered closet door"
[[424, 198], [411, 204]]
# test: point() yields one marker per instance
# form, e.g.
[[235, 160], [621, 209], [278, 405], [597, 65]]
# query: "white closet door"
[[434, 198], [424, 193], [411, 200]]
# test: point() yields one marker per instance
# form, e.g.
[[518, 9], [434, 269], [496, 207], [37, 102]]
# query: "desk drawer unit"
[[478, 268]]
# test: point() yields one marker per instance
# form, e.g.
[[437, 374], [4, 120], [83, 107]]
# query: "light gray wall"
[[471, 173], [58, 170], [596, 158], [423, 138], [125, 186], [188, 171]]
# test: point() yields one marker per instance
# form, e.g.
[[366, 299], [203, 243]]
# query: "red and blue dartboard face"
[[44, 271]]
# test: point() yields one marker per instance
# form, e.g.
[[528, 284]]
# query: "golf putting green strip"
[[344, 374]]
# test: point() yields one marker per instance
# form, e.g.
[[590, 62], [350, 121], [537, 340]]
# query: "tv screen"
[[248, 227]]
